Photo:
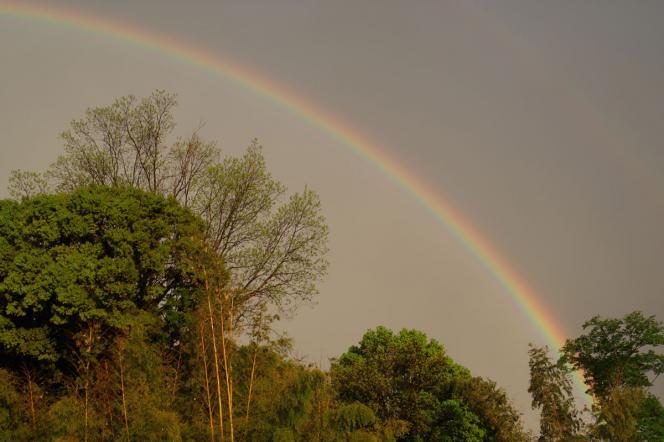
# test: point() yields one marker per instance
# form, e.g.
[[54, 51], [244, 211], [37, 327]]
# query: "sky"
[[540, 122]]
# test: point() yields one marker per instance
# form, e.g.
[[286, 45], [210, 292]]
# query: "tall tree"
[[274, 246], [81, 272], [551, 390], [274, 254], [617, 353], [620, 358]]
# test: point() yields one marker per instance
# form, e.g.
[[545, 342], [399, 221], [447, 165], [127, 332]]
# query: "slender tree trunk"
[[216, 357], [227, 364], [87, 380], [86, 409], [207, 383], [124, 398], [177, 371], [108, 405], [31, 396], [251, 385]]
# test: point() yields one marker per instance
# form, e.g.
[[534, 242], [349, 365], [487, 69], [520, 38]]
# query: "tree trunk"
[[207, 382], [177, 371], [227, 364], [89, 343], [31, 396], [216, 356], [124, 398], [251, 385]]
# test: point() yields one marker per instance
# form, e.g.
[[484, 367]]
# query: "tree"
[[272, 243], [619, 359], [650, 419], [124, 144], [274, 255], [407, 380], [24, 184], [617, 353], [79, 274], [71, 263], [616, 415], [551, 390], [498, 417], [275, 249]]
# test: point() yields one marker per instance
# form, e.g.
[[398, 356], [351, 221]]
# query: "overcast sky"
[[539, 121]]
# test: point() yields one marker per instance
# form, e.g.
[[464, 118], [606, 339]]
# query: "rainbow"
[[515, 285]]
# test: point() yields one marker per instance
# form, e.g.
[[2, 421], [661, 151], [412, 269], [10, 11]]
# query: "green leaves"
[[551, 390], [408, 378], [97, 255], [617, 352], [273, 246], [619, 357]]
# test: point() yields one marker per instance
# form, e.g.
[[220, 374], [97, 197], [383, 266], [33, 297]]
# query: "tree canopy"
[[87, 260], [87, 278], [140, 278], [414, 387], [274, 245], [551, 390], [617, 352]]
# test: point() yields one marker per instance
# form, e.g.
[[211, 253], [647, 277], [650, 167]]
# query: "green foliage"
[[628, 414], [355, 416], [617, 353], [616, 415], [274, 246], [456, 422], [97, 288], [650, 420], [393, 374], [551, 390], [74, 266], [113, 294], [499, 418], [13, 413], [289, 401], [619, 359], [408, 379]]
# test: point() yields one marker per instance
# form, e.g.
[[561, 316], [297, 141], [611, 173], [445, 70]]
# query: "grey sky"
[[539, 121]]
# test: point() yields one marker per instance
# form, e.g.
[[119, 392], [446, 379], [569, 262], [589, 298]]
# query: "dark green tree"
[[76, 266], [410, 383], [650, 419], [498, 417], [79, 274]]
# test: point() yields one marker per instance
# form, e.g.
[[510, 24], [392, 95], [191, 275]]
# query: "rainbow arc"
[[501, 270]]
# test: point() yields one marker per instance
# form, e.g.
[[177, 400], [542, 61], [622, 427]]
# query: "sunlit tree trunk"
[[177, 373], [251, 385], [31, 394], [207, 381], [227, 363], [124, 397], [86, 386], [216, 356]]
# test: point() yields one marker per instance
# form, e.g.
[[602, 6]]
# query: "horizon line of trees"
[[141, 277]]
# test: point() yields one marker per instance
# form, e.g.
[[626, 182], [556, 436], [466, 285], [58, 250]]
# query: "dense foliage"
[[91, 282], [140, 280], [274, 245], [620, 359], [419, 393]]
